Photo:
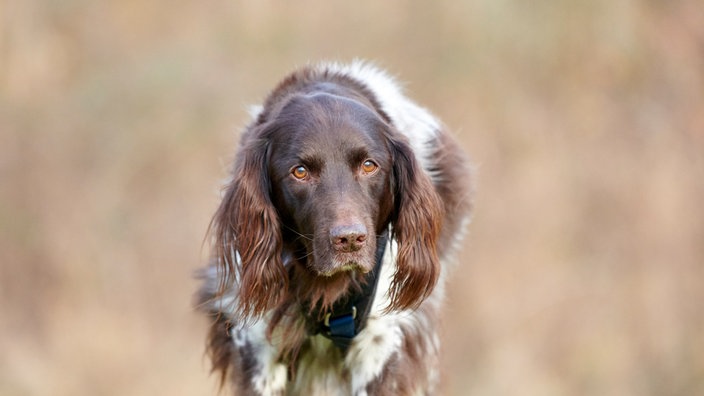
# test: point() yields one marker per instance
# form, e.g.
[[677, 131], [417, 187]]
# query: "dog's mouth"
[[348, 266], [330, 264]]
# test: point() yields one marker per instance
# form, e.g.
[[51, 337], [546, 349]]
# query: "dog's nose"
[[348, 238]]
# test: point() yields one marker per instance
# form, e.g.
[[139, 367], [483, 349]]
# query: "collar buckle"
[[326, 321]]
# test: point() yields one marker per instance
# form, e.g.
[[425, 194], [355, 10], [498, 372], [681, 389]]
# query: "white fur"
[[271, 378]]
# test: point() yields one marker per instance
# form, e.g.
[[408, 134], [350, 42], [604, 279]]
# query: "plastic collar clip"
[[342, 325]]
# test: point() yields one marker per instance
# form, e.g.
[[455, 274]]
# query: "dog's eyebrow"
[[357, 155], [313, 161]]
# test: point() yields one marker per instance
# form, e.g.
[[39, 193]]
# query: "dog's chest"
[[321, 368]]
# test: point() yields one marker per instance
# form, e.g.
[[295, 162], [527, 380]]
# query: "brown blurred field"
[[583, 272]]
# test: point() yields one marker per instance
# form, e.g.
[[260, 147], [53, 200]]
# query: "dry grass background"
[[583, 272]]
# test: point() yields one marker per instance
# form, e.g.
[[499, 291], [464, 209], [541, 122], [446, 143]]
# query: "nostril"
[[348, 238]]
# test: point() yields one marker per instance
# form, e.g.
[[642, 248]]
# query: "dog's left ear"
[[416, 227]]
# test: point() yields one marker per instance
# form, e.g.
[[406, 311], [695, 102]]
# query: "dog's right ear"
[[246, 233], [416, 227]]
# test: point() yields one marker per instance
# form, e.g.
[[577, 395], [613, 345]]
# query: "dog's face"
[[317, 178], [330, 172]]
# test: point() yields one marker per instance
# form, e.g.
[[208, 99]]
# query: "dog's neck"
[[335, 307]]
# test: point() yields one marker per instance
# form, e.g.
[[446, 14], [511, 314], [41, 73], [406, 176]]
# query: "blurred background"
[[583, 272]]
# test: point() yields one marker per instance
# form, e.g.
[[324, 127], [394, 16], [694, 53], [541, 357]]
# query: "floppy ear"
[[416, 226], [247, 235]]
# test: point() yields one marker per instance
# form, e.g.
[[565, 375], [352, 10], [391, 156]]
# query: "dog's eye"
[[300, 172], [369, 166]]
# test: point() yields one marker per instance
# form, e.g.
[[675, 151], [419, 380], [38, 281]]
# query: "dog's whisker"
[[302, 236], [305, 256]]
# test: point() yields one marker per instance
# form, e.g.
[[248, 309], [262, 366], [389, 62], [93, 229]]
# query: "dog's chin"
[[343, 264], [349, 268]]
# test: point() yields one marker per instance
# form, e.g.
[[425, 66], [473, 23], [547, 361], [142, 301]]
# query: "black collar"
[[349, 316]]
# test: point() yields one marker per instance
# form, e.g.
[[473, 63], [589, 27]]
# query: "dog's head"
[[317, 178]]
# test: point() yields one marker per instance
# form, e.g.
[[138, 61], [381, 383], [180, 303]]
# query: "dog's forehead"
[[328, 118]]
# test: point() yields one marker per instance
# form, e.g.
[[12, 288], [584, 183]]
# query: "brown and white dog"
[[333, 238]]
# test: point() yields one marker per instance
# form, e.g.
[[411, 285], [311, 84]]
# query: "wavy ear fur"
[[247, 235], [416, 227]]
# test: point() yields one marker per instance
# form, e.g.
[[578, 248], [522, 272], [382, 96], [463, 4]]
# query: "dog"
[[333, 238]]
